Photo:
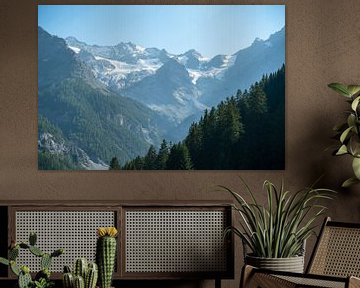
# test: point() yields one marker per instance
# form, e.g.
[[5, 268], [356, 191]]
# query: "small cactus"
[[68, 280], [106, 254], [79, 282], [24, 277], [80, 268], [91, 276], [90, 272], [45, 261]]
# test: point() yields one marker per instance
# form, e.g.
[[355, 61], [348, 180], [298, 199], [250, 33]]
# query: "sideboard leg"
[[217, 283]]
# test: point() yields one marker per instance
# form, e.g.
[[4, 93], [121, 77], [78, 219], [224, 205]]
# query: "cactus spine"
[[106, 254]]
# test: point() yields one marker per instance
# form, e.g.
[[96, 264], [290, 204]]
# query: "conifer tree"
[[150, 159], [114, 164], [179, 158], [162, 156]]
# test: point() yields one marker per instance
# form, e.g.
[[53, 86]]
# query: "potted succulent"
[[348, 133], [276, 233], [84, 275]]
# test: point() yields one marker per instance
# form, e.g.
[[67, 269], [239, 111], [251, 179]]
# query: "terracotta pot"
[[291, 264]]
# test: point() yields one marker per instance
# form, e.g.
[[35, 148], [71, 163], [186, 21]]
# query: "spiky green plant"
[[106, 254], [279, 229], [42, 278], [85, 274], [348, 132]]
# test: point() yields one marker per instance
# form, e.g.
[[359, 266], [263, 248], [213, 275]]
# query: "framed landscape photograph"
[[161, 87]]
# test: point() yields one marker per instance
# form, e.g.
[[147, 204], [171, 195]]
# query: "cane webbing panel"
[[338, 252], [75, 231], [175, 241]]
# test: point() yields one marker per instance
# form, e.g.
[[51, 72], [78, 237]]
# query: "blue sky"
[[210, 29]]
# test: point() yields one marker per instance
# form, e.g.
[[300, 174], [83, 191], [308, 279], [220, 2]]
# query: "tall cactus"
[[106, 254]]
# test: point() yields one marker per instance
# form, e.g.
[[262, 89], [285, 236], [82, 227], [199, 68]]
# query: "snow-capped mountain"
[[179, 86], [99, 101]]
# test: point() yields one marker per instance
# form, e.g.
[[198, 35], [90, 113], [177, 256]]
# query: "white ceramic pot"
[[291, 264]]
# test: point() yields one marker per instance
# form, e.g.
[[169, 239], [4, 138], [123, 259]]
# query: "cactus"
[[79, 282], [32, 238], [13, 253], [68, 280], [105, 254], [91, 276], [36, 251], [24, 278], [45, 261], [80, 268], [90, 272]]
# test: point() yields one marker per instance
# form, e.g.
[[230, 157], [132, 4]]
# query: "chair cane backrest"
[[337, 252]]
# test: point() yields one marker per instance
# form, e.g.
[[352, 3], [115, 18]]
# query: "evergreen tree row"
[[169, 157], [245, 131]]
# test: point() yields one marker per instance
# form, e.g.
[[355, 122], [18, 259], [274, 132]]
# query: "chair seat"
[[268, 279], [314, 282]]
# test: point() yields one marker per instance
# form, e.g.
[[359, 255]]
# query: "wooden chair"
[[334, 263]]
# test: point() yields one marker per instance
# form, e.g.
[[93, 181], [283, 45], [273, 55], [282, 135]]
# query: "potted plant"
[[348, 132], [276, 233], [84, 274]]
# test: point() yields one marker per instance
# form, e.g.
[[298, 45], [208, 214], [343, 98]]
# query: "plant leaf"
[[356, 167], [349, 182], [345, 134], [4, 261], [340, 88], [351, 120], [353, 89], [342, 150], [355, 103]]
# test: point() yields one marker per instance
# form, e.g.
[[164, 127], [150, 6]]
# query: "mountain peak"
[[193, 52]]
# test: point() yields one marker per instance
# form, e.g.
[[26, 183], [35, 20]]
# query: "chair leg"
[[246, 274]]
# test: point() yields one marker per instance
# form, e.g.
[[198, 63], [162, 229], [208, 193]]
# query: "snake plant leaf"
[[342, 150], [356, 167], [353, 89], [340, 88], [355, 103], [345, 134], [349, 182]]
